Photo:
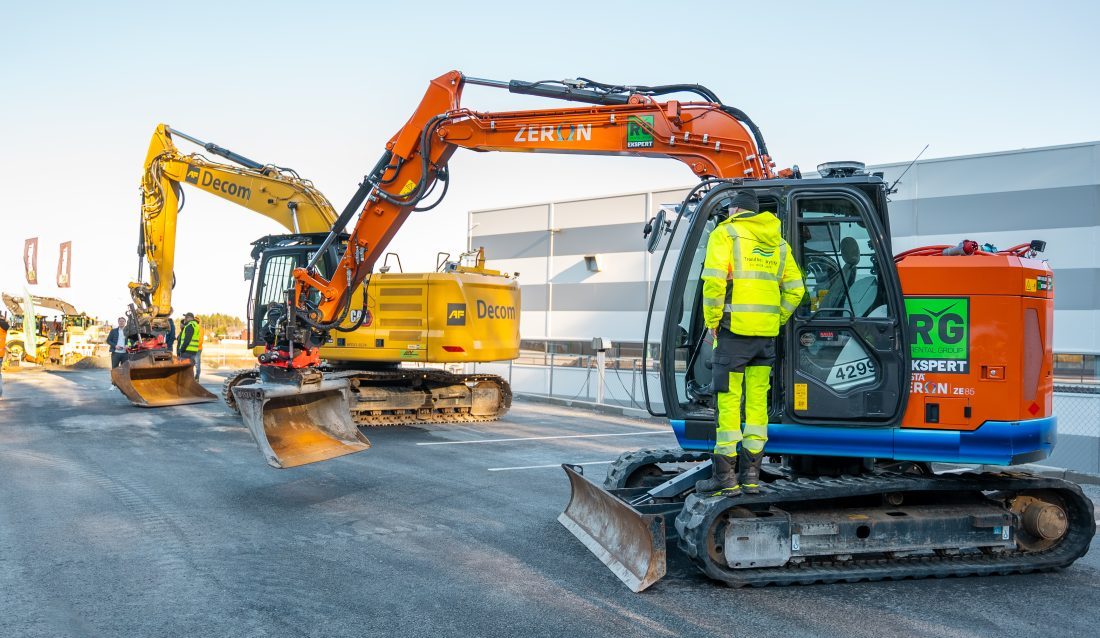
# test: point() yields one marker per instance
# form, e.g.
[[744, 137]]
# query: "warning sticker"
[[409, 187], [801, 397], [1030, 285]]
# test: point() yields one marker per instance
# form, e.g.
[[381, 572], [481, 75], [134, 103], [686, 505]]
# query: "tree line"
[[221, 325]]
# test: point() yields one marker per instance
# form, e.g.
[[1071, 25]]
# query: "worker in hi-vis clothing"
[[751, 286]]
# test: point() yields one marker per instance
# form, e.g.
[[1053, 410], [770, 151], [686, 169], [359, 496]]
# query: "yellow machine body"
[[449, 317]]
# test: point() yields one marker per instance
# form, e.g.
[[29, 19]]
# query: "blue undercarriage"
[[994, 443]]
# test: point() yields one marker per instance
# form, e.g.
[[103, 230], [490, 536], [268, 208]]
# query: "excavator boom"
[[152, 376], [710, 138]]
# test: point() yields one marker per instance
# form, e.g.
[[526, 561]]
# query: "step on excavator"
[[889, 365], [400, 318]]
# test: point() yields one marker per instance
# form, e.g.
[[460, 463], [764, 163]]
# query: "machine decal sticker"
[[801, 397], [490, 311], [192, 176], [456, 314], [409, 187], [637, 135], [559, 133], [939, 334]]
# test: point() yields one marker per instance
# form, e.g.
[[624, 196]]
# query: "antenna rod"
[[891, 190]]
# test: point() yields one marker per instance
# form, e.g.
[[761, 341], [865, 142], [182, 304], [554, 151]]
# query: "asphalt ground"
[[120, 521]]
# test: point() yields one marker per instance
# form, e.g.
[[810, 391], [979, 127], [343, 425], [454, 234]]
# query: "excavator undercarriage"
[[303, 423], [881, 525]]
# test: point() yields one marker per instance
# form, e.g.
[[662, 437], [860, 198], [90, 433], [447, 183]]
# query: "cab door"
[[844, 348]]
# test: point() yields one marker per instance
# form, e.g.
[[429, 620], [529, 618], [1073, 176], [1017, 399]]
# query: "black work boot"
[[750, 471], [723, 478]]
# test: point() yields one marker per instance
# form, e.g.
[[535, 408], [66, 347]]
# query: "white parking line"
[[539, 467], [545, 438]]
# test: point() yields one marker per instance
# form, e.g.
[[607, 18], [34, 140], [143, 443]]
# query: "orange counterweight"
[[981, 333]]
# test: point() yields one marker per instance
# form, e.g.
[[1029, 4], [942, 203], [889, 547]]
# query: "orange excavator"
[[887, 366]]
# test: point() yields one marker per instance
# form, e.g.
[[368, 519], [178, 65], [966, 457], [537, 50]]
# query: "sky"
[[321, 86]]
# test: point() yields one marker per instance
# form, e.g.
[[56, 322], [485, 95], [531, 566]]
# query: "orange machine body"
[[981, 332]]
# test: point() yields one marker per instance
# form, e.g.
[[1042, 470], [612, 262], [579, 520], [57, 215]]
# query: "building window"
[[1076, 368]]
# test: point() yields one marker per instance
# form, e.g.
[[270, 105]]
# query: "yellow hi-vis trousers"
[[753, 384]]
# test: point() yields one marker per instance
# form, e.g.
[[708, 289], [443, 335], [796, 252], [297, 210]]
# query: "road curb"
[[602, 408]]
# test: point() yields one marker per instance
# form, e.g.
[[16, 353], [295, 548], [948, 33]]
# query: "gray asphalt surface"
[[118, 521]]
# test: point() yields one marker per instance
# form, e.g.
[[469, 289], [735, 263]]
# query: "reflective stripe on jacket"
[[751, 283], [191, 337]]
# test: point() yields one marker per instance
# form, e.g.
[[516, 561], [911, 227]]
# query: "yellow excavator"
[[61, 341], [404, 317]]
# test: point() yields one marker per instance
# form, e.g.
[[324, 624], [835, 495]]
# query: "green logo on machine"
[[638, 129], [939, 334]]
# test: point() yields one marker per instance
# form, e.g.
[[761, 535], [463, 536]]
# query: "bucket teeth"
[[159, 380], [630, 543], [299, 424]]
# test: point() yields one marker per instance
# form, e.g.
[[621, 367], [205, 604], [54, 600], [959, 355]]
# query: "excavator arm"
[[296, 407], [15, 304], [153, 376], [274, 192], [710, 138]]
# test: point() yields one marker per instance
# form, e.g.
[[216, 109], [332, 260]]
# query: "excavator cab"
[[843, 353], [308, 420]]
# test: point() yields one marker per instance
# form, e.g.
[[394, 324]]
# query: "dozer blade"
[[160, 380], [630, 543], [299, 424]]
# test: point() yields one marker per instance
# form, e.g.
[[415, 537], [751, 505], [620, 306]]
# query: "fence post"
[[633, 380], [551, 392], [601, 363]]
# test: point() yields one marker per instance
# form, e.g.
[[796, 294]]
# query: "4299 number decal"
[[847, 374]]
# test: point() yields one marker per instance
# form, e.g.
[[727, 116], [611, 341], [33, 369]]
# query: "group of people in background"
[[187, 346]]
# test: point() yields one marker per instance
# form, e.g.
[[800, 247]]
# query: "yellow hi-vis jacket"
[[751, 283], [194, 337]]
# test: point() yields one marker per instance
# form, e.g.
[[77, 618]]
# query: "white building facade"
[[584, 271]]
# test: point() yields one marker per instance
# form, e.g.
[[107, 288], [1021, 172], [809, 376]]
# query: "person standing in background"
[[4, 326], [116, 340], [190, 342]]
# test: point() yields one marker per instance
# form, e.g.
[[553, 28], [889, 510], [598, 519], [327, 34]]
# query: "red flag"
[[65, 264], [30, 259]]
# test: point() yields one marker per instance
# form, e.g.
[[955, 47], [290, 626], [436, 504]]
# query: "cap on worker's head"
[[745, 200], [188, 314]]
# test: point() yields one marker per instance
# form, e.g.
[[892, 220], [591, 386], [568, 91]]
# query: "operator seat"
[[849, 252]]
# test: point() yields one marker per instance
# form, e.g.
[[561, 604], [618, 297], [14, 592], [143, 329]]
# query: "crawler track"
[[697, 522], [418, 388], [631, 469]]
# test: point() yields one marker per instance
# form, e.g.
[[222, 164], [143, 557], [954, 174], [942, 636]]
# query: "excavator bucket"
[[630, 543], [160, 380], [299, 424]]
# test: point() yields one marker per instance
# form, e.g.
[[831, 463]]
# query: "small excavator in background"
[[889, 365], [62, 341], [402, 317]]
